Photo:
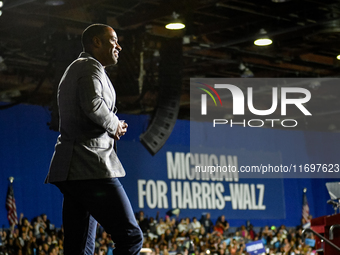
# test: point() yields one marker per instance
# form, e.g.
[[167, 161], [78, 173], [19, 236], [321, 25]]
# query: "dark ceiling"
[[38, 40]]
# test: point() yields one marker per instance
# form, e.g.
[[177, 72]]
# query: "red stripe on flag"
[[11, 207], [305, 208]]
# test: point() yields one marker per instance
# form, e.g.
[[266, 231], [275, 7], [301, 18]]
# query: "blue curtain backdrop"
[[27, 145]]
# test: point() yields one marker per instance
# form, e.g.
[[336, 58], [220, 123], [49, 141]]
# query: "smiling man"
[[85, 166]]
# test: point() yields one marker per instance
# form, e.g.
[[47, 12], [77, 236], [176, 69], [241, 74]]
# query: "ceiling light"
[[338, 57], [176, 23], [54, 2], [332, 127], [3, 66], [263, 39], [315, 84], [0, 12], [246, 72], [263, 42], [175, 26], [1, 4]]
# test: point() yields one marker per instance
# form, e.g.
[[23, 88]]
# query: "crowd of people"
[[193, 236], [169, 235]]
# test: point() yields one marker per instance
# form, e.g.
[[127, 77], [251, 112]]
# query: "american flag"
[[305, 207], [11, 207]]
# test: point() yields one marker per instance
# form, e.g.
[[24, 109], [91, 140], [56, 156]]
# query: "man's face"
[[110, 48]]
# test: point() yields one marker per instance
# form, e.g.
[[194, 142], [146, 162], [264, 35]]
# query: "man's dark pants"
[[105, 201]]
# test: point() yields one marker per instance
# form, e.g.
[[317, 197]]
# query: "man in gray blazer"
[[85, 165]]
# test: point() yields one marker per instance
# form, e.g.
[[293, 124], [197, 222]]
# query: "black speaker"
[[170, 83]]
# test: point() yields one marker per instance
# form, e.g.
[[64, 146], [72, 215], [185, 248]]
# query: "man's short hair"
[[90, 32]]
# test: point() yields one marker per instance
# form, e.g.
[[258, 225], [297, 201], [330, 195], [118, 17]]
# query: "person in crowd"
[[284, 241], [251, 232], [41, 236], [267, 231], [24, 225], [143, 222], [168, 235], [183, 227], [195, 226], [39, 225], [161, 227], [222, 226], [207, 223], [244, 231], [48, 226], [153, 228], [283, 231], [173, 224]]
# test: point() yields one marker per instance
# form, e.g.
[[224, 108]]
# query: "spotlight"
[[176, 23], [1, 4], [263, 39], [338, 57]]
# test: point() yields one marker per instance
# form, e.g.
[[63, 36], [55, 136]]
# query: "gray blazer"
[[85, 147]]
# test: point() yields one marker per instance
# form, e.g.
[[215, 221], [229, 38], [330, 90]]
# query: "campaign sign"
[[310, 242], [256, 247]]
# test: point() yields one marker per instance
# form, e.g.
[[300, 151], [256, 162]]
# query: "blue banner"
[[171, 179], [256, 247], [310, 242]]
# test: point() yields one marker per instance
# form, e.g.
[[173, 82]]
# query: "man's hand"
[[121, 129]]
